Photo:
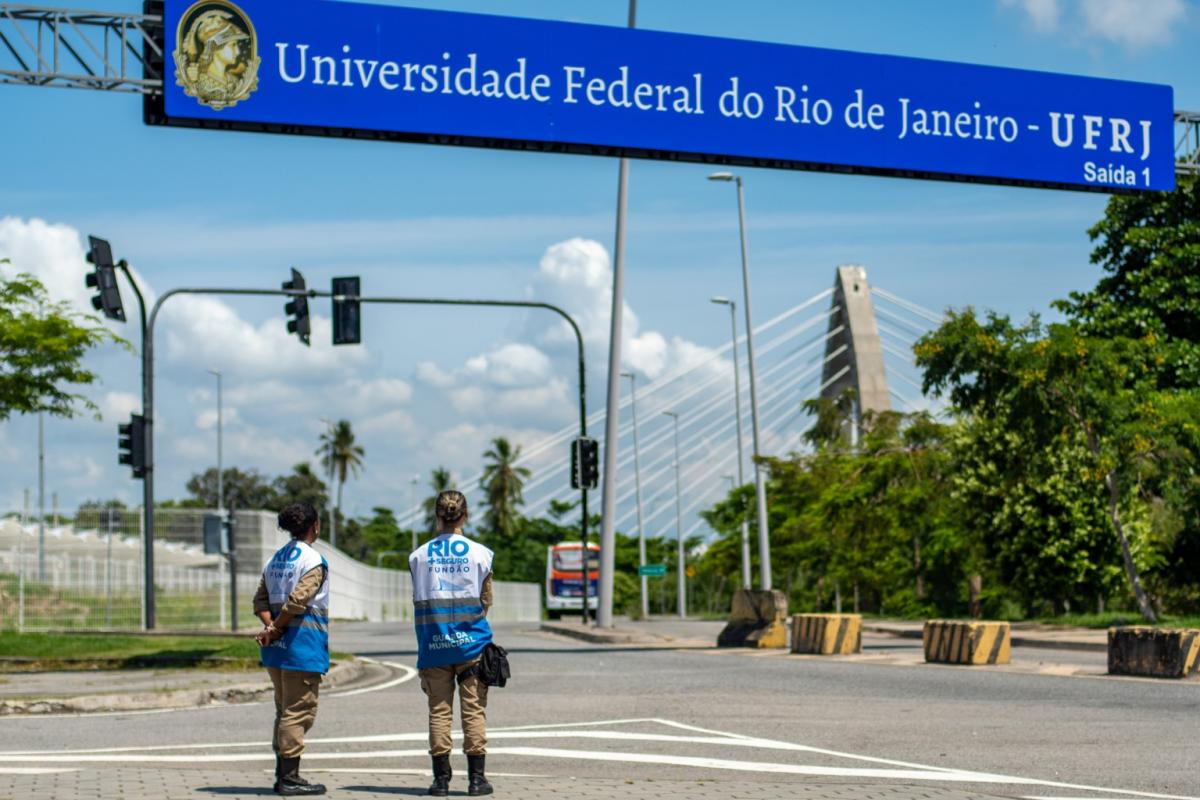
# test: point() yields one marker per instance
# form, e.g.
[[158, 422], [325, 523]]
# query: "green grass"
[[54, 651], [46, 651], [1111, 619]]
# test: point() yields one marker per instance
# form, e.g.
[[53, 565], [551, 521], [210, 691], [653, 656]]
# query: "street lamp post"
[[220, 447], [737, 405], [415, 480], [637, 487], [41, 497], [760, 486], [680, 578]]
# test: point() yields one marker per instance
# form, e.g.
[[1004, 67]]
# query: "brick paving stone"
[[126, 783]]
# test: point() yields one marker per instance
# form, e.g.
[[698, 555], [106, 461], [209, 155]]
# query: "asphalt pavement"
[[584, 720]]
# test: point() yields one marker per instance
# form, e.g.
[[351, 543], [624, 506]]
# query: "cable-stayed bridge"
[[851, 335]]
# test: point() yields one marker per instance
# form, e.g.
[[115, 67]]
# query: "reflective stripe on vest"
[[305, 643], [448, 575]]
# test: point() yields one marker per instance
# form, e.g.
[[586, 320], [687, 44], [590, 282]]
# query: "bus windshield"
[[569, 561]]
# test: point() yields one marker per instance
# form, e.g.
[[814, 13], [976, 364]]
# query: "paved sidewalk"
[[145, 784]]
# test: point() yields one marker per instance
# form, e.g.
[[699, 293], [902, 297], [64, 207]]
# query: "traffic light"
[[585, 463], [297, 309], [131, 442], [104, 279], [347, 323]]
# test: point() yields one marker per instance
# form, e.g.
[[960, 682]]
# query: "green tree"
[[341, 455], [1065, 393], [382, 533], [503, 482], [301, 486], [42, 345], [243, 490], [440, 480]]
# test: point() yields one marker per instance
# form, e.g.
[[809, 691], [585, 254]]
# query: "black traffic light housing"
[[585, 463], [297, 309], [104, 279], [131, 443], [347, 320]]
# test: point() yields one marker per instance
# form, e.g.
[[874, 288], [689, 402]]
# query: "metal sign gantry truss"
[[65, 49], [113, 52]]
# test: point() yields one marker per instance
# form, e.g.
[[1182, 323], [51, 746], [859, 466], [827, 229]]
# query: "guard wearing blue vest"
[[452, 592], [293, 603]]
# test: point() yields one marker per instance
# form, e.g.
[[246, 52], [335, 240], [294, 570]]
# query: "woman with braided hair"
[[452, 592]]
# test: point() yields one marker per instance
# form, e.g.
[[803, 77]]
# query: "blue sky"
[[430, 387]]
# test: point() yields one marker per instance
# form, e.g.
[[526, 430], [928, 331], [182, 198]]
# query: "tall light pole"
[[637, 488], [608, 480], [220, 446], [737, 405], [41, 497], [680, 578], [415, 480], [760, 485]]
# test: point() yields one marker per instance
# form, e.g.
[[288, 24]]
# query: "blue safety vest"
[[448, 575], [305, 644]]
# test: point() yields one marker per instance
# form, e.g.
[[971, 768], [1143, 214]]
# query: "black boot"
[[290, 784], [441, 776], [479, 784]]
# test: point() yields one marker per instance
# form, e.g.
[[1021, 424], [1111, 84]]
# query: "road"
[[581, 720]]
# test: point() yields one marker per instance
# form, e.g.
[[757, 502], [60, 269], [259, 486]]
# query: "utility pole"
[[415, 480], [41, 497], [737, 406], [608, 482]]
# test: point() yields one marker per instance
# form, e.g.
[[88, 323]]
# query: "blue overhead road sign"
[[333, 68]]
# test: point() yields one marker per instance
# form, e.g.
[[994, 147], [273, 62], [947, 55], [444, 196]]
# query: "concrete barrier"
[[758, 619], [1154, 652], [827, 634], [955, 642]]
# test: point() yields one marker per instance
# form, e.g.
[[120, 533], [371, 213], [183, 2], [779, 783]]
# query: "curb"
[[597, 636], [1017, 639], [341, 673]]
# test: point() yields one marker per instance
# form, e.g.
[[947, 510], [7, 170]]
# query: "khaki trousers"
[[438, 684], [295, 709]]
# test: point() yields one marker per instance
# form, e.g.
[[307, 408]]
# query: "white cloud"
[[1043, 14], [1133, 24], [119, 405]]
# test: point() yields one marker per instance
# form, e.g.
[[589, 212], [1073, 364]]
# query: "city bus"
[[564, 578]]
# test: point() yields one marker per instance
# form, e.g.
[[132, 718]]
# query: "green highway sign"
[[652, 570]]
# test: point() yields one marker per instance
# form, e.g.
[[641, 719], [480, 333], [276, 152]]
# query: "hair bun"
[[451, 506]]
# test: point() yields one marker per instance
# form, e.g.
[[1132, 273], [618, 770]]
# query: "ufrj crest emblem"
[[216, 54]]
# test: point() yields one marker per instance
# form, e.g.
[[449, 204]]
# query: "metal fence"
[[85, 573]]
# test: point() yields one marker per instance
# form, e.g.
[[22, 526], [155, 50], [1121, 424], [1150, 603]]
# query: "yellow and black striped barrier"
[[1154, 652], [954, 642], [758, 619], [827, 634]]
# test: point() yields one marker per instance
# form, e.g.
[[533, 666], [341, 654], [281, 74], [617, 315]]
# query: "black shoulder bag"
[[492, 669]]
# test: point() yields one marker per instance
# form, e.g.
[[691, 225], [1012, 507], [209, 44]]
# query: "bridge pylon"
[[853, 351]]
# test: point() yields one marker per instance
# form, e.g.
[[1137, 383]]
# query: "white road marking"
[[34, 771], [421, 772], [409, 674], [906, 771]]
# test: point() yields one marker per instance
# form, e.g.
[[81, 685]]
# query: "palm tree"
[[342, 458], [441, 481], [503, 482]]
